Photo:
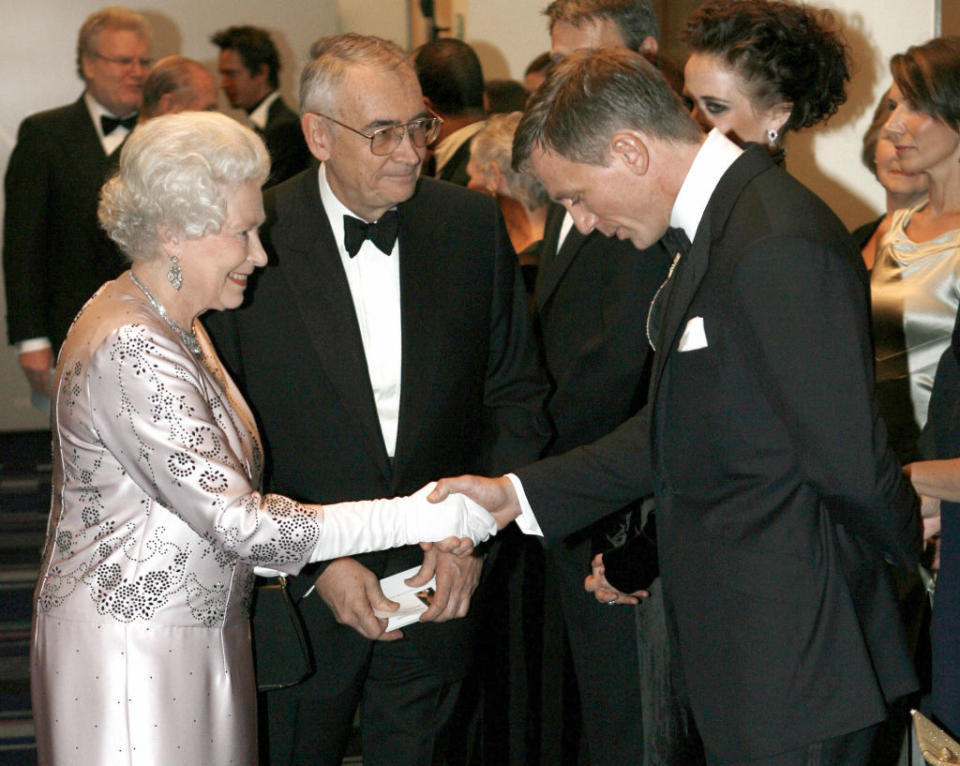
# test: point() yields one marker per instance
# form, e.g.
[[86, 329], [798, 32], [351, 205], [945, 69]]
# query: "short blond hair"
[[111, 17]]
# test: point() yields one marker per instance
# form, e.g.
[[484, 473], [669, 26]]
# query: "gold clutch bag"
[[936, 746]]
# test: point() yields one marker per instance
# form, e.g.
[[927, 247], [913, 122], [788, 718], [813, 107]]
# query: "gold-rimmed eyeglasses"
[[384, 140], [125, 62]]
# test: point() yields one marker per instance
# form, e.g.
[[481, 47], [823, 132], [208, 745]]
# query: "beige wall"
[[38, 39]]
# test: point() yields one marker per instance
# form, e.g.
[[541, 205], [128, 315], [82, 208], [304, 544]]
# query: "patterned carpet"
[[24, 502]]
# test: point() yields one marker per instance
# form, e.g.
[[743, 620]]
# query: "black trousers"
[[853, 749], [403, 706]]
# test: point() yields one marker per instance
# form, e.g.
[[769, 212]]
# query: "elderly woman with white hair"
[[141, 644], [522, 199]]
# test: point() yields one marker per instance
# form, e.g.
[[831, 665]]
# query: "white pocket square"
[[693, 336]]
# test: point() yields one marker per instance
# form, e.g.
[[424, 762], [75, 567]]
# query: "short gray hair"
[[331, 59], [589, 96], [634, 19], [112, 17], [176, 174], [493, 144]]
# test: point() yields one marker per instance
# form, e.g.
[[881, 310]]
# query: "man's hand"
[[596, 583], [352, 592], [496, 495], [457, 579], [37, 365]]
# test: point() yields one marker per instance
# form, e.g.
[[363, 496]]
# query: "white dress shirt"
[[716, 155], [374, 280], [117, 135], [258, 117]]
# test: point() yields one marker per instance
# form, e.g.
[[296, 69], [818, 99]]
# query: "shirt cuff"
[[526, 520], [31, 344]]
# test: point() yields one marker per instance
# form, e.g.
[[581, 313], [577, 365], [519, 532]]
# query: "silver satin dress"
[[915, 291], [141, 644]]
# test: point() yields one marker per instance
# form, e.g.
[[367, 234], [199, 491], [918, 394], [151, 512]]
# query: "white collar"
[[333, 207], [448, 147], [716, 155], [258, 117], [98, 110]]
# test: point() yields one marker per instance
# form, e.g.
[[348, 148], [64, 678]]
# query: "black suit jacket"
[[764, 449], [471, 387], [455, 169], [591, 299], [285, 142], [55, 255]]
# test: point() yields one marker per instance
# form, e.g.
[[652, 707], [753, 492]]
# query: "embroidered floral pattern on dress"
[[198, 526]]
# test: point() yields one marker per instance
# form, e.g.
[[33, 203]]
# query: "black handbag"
[[281, 653]]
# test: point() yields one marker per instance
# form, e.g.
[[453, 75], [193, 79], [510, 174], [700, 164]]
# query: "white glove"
[[373, 525], [267, 572]]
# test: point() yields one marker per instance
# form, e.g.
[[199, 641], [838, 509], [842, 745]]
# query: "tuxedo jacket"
[[455, 169], [55, 255], [471, 387], [285, 142], [762, 442], [591, 308]]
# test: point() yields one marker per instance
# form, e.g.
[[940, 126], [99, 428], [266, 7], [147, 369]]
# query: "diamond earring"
[[175, 273]]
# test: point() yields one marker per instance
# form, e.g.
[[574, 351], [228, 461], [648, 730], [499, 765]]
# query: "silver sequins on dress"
[[141, 646]]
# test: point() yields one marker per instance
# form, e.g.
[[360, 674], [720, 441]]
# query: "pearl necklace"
[[189, 338]]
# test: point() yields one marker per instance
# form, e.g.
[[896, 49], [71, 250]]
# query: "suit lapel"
[[420, 258], [314, 273], [550, 275], [83, 134], [691, 268]]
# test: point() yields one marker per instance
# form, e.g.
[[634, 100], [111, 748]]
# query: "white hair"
[[494, 144], [176, 174]]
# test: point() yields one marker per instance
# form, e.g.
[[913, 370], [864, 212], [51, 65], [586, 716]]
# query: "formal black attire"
[[763, 445], [471, 401], [943, 433], [285, 142], [592, 297], [55, 255]]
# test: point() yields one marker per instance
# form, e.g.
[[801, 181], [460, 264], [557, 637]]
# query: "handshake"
[[455, 514]]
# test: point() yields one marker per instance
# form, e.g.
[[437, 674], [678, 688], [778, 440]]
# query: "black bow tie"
[[110, 124], [382, 233], [676, 241]]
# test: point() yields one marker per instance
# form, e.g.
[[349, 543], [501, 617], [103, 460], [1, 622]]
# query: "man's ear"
[[85, 63], [316, 132], [630, 148], [649, 48]]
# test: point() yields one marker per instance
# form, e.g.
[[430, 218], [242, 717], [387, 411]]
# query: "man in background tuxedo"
[[451, 79], [760, 438], [55, 255], [249, 68], [592, 294], [387, 343], [178, 84]]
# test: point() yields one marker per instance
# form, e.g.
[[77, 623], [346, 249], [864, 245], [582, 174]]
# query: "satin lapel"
[[684, 283], [318, 285], [420, 280]]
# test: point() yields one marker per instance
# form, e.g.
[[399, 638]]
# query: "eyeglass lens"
[[421, 133]]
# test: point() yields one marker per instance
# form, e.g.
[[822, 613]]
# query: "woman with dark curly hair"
[[760, 68]]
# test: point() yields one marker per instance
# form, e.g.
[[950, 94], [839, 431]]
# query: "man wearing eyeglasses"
[[54, 253], [388, 342]]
